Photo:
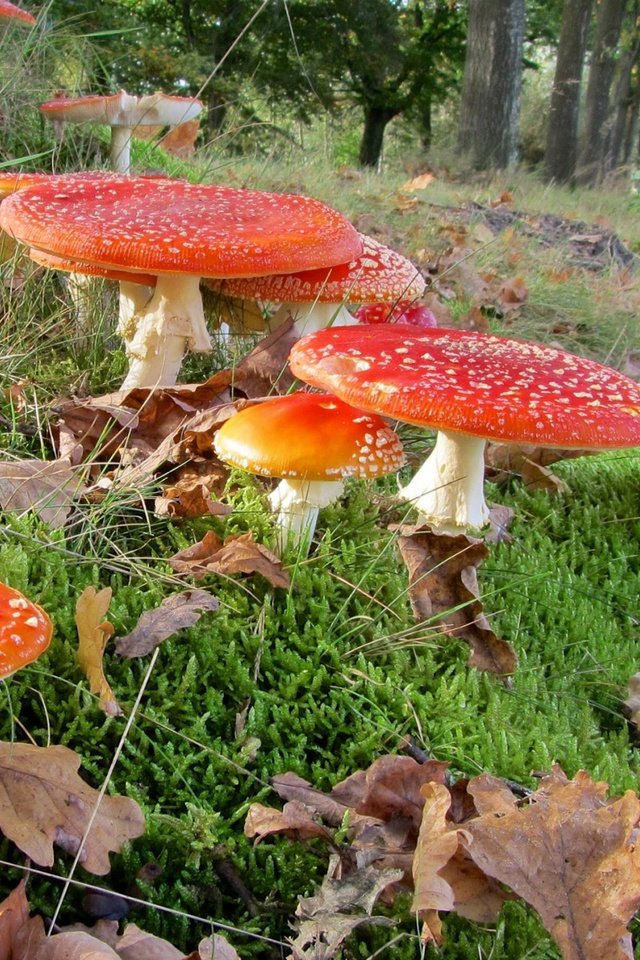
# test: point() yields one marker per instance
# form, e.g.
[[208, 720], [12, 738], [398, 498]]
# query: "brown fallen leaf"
[[500, 517], [188, 500], [175, 613], [137, 944], [512, 294], [93, 635], [181, 140], [443, 587], [215, 947], [49, 487], [32, 943], [294, 821], [265, 370], [571, 854], [506, 460], [14, 913], [325, 920], [43, 801], [240, 554], [421, 182]]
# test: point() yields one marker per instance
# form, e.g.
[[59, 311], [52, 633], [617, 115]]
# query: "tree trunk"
[[490, 105], [631, 129], [375, 122], [603, 60], [562, 133], [623, 102], [426, 124]]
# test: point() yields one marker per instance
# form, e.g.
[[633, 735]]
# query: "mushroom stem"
[[120, 152], [133, 299], [447, 490], [157, 336], [296, 504], [310, 317]]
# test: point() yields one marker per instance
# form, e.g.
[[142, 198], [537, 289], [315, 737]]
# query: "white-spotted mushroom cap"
[[25, 631], [52, 262], [170, 226], [405, 311], [14, 12], [474, 383], [379, 274], [124, 110], [311, 436]]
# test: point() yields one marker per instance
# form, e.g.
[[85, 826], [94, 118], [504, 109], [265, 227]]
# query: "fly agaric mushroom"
[[317, 298], [470, 387], [25, 631], [313, 441], [123, 113], [178, 232], [405, 311], [10, 10]]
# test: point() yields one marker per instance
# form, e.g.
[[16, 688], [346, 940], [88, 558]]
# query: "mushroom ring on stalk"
[[25, 631], [317, 298], [178, 232], [470, 387], [313, 442]]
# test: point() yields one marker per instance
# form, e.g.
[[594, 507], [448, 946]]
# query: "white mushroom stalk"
[[158, 335], [309, 317], [296, 504], [448, 489]]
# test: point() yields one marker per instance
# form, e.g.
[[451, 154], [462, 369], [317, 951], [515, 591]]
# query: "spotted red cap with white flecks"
[[474, 383], [25, 631], [170, 226], [378, 274], [309, 435], [15, 13], [124, 109], [405, 311], [89, 269]]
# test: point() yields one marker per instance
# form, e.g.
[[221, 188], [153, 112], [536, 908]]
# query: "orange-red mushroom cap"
[[123, 109], [25, 631], [310, 436], [52, 262], [478, 384], [170, 226], [15, 13]]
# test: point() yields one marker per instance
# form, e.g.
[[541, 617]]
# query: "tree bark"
[[591, 159], [623, 99], [376, 119], [562, 133], [490, 105]]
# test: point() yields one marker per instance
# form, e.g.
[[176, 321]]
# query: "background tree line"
[[391, 58]]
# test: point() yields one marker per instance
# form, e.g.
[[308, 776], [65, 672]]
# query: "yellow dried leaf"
[[93, 633]]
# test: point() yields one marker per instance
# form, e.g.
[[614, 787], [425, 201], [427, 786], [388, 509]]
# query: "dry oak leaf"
[[294, 821], [189, 500], [180, 141], [505, 460], [512, 294], [443, 587], [633, 700], [175, 613], [32, 943], [240, 554], [215, 947], [265, 370], [93, 635], [43, 801], [14, 913], [49, 487], [571, 854]]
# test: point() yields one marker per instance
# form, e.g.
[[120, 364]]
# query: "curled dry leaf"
[[512, 294], [240, 554], [44, 802], [570, 853], [294, 821], [506, 460], [215, 947], [189, 499], [14, 913], [93, 634], [181, 140], [49, 487], [265, 370], [443, 587], [175, 613]]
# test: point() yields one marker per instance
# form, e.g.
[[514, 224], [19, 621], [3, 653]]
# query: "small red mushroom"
[[471, 387], [406, 311], [25, 631], [10, 10], [313, 441]]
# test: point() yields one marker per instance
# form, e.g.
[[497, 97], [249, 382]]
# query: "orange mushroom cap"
[[89, 269], [25, 631], [15, 13], [311, 436], [123, 109], [170, 226]]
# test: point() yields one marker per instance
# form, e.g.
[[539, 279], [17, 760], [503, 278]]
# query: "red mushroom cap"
[[169, 226], [415, 313], [52, 262], [379, 273], [25, 631], [474, 383], [311, 436], [16, 13]]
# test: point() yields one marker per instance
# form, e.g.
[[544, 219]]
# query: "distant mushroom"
[[177, 232], [313, 441], [25, 631], [123, 113], [10, 10], [318, 298], [405, 311], [470, 387]]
